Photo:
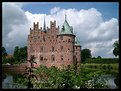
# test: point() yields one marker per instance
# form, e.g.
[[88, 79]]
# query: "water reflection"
[[110, 80], [8, 82], [8, 79]]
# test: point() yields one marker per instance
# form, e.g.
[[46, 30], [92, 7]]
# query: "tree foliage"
[[99, 57], [116, 48], [85, 53], [4, 53], [16, 53], [23, 53], [20, 54]]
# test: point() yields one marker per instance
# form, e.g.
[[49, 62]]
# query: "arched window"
[[52, 48], [53, 58], [41, 58]]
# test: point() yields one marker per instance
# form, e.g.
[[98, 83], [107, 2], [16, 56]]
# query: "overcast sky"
[[95, 24]]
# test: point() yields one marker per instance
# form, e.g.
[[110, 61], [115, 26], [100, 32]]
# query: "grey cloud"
[[88, 25], [13, 18]]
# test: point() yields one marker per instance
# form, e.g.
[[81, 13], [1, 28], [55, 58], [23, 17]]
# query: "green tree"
[[116, 48], [20, 54], [99, 57], [11, 60], [23, 53], [4, 53], [85, 53], [16, 53]]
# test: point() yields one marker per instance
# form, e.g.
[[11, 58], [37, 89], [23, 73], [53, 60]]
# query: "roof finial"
[[44, 27]]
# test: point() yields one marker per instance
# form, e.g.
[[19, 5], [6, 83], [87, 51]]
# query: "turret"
[[52, 24], [66, 44], [77, 52], [36, 26]]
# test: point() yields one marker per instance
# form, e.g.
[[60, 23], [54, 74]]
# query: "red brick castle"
[[54, 47]]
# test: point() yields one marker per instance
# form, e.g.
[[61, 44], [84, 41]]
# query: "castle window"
[[61, 37], [76, 47], [76, 59], [61, 47], [41, 49], [43, 38], [68, 40], [76, 53], [53, 58], [52, 36], [52, 48], [61, 57], [41, 58]]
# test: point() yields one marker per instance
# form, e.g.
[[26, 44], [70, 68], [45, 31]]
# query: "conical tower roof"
[[66, 29], [77, 41]]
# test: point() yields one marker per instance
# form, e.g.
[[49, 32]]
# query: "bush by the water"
[[54, 78]]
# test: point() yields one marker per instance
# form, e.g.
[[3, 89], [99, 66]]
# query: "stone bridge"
[[14, 68]]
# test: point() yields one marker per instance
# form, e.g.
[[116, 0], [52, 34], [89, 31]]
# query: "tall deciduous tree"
[[23, 53], [20, 53], [116, 48], [85, 53], [16, 53]]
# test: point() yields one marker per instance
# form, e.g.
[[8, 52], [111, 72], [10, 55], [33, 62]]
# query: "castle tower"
[[51, 45], [33, 42], [77, 52], [66, 44]]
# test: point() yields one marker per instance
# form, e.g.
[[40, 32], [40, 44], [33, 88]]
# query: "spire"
[[44, 27]]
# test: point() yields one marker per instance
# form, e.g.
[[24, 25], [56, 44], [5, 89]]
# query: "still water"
[[9, 84]]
